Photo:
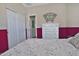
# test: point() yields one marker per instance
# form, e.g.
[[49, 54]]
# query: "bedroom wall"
[[17, 7], [67, 14], [73, 15], [3, 21], [59, 9], [39, 11], [72, 21], [3, 31], [67, 17]]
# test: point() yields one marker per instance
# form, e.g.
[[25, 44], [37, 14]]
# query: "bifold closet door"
[[12, 34], [21, 33], [16, 28]]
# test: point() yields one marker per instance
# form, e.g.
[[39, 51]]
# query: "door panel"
[[11, 16], [21, 28], [16, 28]]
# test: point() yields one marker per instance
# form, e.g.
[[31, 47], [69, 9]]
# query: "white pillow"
[[75, 42], [70, 38], [77, 35]]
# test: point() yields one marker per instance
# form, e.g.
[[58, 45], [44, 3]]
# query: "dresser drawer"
[[50, 31]]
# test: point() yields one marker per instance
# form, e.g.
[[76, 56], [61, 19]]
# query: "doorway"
[[33, 32]]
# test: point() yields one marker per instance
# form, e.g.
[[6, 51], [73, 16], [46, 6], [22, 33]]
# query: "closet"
[[16, 28]]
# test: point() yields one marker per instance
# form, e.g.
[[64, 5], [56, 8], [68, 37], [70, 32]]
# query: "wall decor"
[[49, 17]]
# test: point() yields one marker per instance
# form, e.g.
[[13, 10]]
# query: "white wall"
[[3, 21], [67, 14], [73, 15], [39, 11], [59, 9]]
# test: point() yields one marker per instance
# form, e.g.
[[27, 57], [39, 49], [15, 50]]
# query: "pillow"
[[75, 42], [70, 38], [77, 35]]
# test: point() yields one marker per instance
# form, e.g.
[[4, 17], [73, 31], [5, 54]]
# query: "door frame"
[[31, 26]]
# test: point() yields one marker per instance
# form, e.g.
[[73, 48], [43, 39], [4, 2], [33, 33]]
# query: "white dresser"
[[50, 31]]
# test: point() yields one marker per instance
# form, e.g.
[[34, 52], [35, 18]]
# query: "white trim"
[[29, 25], [36, 26]]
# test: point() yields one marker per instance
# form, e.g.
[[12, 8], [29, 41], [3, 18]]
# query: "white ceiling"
[[32, 4]]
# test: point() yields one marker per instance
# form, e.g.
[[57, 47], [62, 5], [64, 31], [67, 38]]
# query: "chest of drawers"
[[50, 31]]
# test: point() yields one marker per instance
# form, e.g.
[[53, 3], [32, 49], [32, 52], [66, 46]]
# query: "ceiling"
[[32, 4]]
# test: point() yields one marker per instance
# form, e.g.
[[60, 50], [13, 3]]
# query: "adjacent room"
[[39, 29]]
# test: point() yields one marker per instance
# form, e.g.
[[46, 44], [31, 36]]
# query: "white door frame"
[[29, 26]]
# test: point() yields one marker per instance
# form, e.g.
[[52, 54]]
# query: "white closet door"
[[12, 35], [21, 35], [16, 28]]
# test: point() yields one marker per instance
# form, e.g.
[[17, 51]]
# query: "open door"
[[33, 34]]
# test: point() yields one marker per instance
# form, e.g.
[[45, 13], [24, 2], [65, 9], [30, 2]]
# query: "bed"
[[43, 47]]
